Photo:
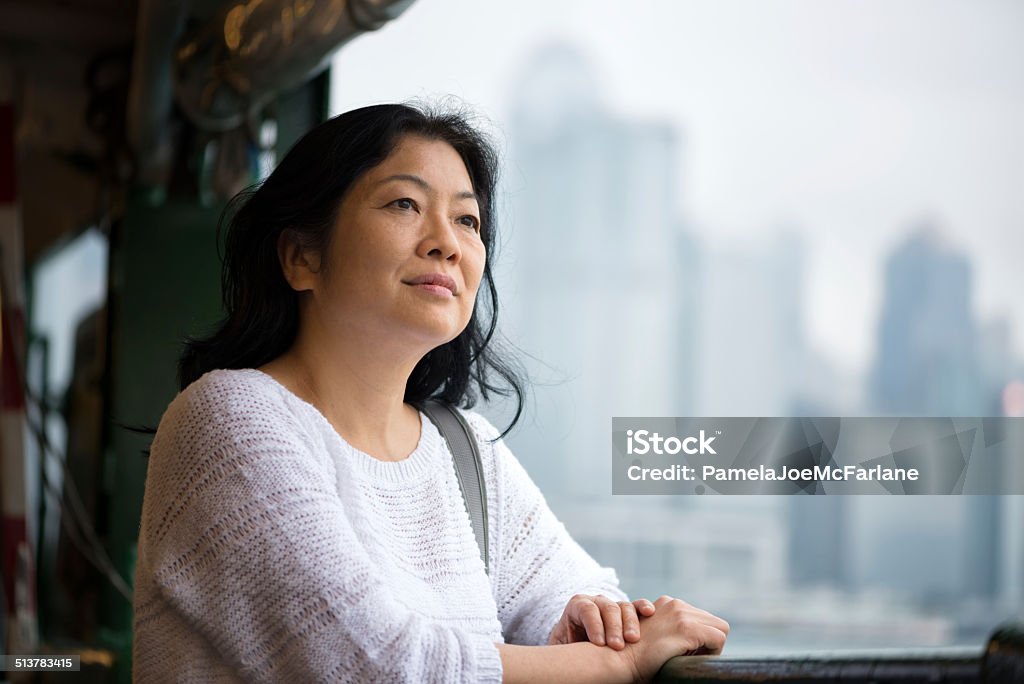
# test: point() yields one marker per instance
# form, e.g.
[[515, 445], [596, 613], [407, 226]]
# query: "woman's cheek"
[[478, 266]]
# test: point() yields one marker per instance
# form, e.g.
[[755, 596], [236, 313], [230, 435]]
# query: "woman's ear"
[[299, 264]]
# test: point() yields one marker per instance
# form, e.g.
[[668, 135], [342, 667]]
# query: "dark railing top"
[[1001, 662]]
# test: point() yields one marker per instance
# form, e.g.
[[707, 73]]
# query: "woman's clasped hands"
[[646, 633], [600, 620]]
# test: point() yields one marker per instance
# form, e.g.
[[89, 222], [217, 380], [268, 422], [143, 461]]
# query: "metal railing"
[[1001, 662]]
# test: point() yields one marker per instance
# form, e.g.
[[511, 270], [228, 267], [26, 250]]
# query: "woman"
[[302, 521]]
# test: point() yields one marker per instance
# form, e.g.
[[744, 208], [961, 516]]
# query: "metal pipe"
[[252, 50], [159, 25]]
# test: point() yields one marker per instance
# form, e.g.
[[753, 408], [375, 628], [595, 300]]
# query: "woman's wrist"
[[628, 662], [577, 662], [623, 663]]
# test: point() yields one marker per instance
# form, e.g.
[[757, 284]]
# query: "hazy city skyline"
[[594, 304], [848, 122]]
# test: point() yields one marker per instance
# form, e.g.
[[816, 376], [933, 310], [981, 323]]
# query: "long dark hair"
[[302, 197]]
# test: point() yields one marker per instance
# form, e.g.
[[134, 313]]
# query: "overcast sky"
[[849, 120]]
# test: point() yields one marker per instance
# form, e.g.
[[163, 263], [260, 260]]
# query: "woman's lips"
[[436, 283], [437, 290]]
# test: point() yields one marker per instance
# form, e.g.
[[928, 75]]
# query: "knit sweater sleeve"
[[538, 565], [245, 537]]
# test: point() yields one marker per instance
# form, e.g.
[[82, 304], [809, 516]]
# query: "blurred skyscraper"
[[819, 546], [601, 270], [927, 358], [934, 359], [751, 346], [610, 296]]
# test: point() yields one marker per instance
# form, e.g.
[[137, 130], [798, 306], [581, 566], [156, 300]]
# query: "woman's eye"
[[471, 222], [404, 203]]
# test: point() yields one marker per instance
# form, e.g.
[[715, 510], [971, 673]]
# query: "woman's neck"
[[358, 387]]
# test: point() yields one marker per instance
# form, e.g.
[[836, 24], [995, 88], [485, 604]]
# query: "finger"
[[630, 622], [711, 619], [560, 632], [662, 600], [714, 639], [719, 624], [703, 639], [589, 615], [644, 607], [611, 613]]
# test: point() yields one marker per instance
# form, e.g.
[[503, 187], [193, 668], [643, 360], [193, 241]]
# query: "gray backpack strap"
[[468, 468]]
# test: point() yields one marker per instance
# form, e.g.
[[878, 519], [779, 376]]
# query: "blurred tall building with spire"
[[603, 277]]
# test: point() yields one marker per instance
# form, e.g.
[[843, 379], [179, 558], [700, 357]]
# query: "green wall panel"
[[165, 285]]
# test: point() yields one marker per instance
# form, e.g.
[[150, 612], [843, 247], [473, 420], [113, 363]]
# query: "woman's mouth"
[[436, 283]]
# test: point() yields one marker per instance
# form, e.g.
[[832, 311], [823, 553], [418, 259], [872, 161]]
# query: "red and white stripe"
[[17, 552]]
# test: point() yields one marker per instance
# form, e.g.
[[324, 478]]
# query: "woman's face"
[[406, 258]]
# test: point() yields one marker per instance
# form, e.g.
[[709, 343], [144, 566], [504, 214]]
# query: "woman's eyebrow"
[[412, 178]]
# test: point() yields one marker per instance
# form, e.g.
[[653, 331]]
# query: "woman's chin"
[[434, 333]]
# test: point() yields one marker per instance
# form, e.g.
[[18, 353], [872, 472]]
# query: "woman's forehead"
[[420, 161]]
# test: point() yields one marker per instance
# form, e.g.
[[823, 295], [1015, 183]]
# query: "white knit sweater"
[[271, 550]]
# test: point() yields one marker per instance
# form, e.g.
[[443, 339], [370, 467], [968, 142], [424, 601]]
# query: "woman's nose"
[[440, 239]]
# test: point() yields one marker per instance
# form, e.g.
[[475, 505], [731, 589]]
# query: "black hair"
[[302, 196]]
